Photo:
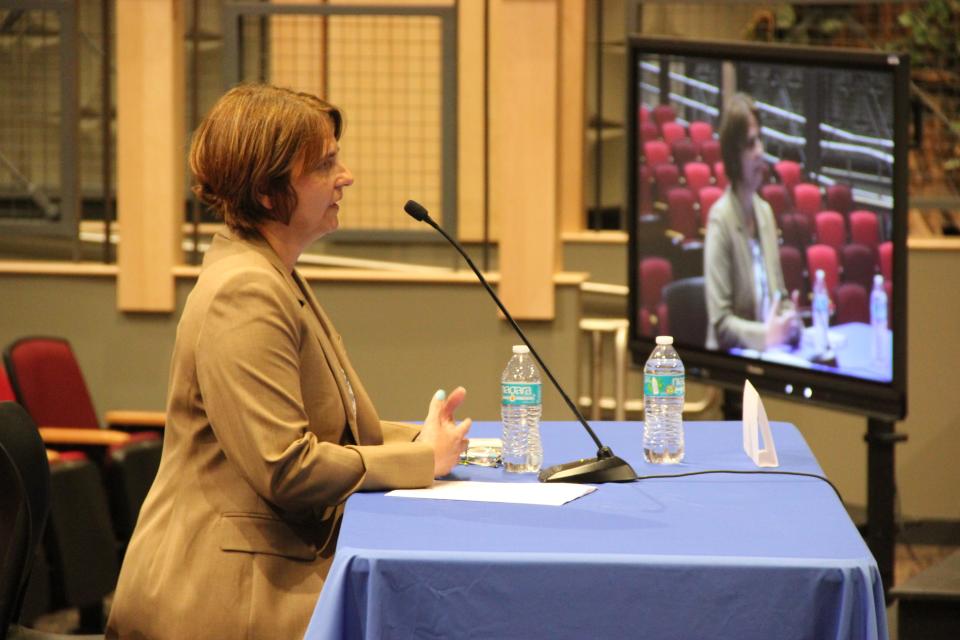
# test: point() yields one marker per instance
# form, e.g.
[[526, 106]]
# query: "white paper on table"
[[543, 493], [755, 424]]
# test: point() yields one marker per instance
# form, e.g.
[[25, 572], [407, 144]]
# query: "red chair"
[[655, 274], [697, 175], [840, 198], [656, 152], [720, 175], [853, 304], [663, 113], [666, 177], [821, 256], [681, 215], [49, 384], [644, 113], [831, 229], [788, 172], [807, 201], [865, 229], [700, 131], [859, 265], [776, 197], [684, 151], [886, 261], [649, 131], [791, 262], [707, 197], [672, 131], [796, 230], [646, 189], [710, 152]]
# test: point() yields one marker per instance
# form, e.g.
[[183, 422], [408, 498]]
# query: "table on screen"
[[710, 556]]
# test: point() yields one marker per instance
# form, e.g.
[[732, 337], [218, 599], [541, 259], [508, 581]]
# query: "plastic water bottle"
[[663, 393], [878, 320], [821, 313], [520, 411]]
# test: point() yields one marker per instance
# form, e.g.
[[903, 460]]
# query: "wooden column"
[[151, 193], [572, 116], [471, 121], [523, 121]]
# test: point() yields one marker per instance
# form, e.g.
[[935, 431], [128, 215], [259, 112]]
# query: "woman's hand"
[[448, 438], [783, 323]]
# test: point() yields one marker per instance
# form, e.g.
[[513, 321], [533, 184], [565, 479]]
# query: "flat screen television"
[[829, 195]]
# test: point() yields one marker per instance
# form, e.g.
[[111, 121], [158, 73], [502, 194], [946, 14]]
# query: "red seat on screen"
[[853, 304], [663, 113], [791, 261], [788, 172], [656, 152], [681, 215], [776, 197], [646, 190], [807, 201], [644, 113], [720, 175], [821, 256], [710, 151], [684, 150], [886, 260], [708, 196], [864, 228], [697, 175], [831, 229], [672, 131], [701, 131], [840, 198], [655, 274], [649, 131], [796, 230], [859, 265], [666, 176]]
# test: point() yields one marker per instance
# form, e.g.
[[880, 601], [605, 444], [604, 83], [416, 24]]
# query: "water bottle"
[[663, 392], [520, 411], [821, 313], [878, 320]]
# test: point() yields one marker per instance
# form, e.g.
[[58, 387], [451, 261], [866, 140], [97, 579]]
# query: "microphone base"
[[590, 471]]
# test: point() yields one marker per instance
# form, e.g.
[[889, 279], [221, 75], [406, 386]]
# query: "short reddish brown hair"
[[248, 146], [733, 134]]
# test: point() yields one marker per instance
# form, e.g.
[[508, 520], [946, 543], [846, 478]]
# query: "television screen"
[[767, 208]]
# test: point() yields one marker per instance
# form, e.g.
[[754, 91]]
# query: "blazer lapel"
[[339, 365]]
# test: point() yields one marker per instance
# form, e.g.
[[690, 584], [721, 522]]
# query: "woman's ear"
[[265, 201]]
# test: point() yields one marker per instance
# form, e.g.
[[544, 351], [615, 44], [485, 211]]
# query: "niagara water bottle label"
[[520, 393], [663, 386]]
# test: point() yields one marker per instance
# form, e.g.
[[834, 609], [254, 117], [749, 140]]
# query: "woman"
[[269, 429], [743, 279]]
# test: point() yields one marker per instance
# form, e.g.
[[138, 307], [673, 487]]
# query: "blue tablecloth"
[[713, 556]]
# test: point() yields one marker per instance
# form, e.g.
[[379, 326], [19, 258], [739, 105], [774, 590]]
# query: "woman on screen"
[[744, 286], [269, 429]]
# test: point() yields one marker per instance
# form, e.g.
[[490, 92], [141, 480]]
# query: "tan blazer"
[[728, 273], [269, 431]]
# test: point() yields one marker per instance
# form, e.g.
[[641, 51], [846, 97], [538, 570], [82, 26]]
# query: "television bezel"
[[883, 400]]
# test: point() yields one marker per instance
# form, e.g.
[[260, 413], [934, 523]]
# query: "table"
[[713, 556]]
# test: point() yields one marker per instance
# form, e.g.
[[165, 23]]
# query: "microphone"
[[606, 467]]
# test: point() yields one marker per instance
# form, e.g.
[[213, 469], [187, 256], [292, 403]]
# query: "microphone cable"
[[746, 472]]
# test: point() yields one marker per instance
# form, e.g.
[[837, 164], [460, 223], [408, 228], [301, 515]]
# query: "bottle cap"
[[521, 348], [820, 275], [878, 280], [664, 340]]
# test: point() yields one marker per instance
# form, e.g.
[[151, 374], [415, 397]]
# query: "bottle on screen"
[[821, 313], [878, 320], [663, 395], [520, 411]]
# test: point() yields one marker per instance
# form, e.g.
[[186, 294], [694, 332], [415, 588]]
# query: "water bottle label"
[[663, 386], [520, 393]]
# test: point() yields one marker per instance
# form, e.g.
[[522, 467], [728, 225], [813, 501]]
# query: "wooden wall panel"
[[150, 151]]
